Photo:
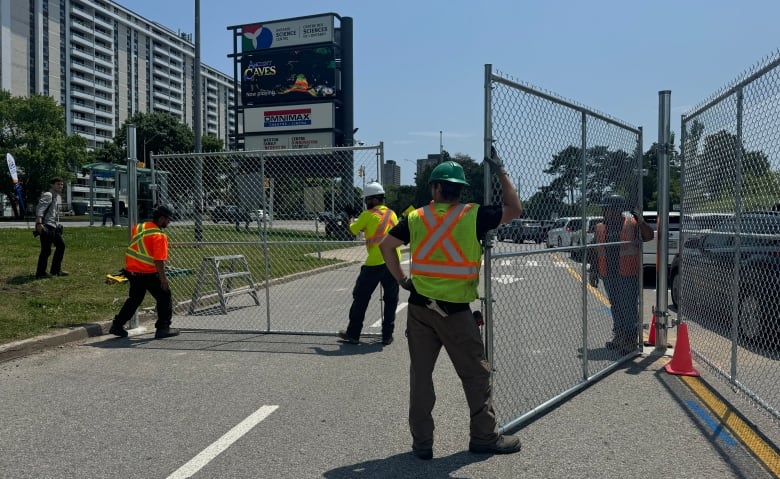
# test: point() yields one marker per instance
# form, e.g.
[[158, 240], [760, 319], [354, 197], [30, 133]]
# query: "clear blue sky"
[[419, 65]]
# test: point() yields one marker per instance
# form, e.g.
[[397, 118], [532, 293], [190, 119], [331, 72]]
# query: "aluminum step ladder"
[[222, 271]]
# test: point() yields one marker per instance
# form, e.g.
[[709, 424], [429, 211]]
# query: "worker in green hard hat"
[[446, 254]]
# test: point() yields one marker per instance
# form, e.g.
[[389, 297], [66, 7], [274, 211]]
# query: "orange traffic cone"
[[651, 338], [682, 364]]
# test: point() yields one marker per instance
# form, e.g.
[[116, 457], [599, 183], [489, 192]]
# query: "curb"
[[26, 347]]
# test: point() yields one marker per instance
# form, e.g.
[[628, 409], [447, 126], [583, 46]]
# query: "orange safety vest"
[[386, 223], [629, 263], [147, 239]]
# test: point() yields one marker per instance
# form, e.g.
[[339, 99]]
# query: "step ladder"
[[222, 271]]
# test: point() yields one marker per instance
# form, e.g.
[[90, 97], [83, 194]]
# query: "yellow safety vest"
[[375, 222], [446, 254]]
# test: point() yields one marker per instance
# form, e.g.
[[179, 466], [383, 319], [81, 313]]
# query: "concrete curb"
[[25, 347]]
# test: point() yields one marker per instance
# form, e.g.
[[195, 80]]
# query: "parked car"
[[590, 229], [561, 231], [702, 277], [649, 248], [520, 230], [336, 225], [507, 231], [258, 215], [230, 214]]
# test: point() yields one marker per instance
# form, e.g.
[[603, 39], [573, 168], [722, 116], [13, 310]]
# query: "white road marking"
[[507, 279], [221, 444], [400, 308]]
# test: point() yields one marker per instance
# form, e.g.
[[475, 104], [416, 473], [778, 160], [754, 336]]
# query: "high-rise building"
[[391, 174], [104, 63], [423, 163]]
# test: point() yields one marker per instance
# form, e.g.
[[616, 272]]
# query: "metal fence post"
[[662, 237], [132, 194]]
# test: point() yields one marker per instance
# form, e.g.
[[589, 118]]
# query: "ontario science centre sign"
[[291, 75]]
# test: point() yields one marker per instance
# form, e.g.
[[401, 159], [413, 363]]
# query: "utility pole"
[[441, 148]]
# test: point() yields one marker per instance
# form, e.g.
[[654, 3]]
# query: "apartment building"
[[104, 63]]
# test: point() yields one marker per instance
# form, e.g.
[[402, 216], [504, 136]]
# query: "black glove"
[[495, 163], [636, 214], [406, 283]]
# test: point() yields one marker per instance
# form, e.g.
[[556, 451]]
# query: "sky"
[[419, 65]]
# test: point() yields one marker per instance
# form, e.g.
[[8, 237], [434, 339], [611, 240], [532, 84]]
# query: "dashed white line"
[[400, 308], [216, 448]]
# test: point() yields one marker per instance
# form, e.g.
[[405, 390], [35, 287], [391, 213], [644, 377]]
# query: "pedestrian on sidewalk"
[[49, 230], [110, 214], [374, 222], [444, 238], [145, 269]]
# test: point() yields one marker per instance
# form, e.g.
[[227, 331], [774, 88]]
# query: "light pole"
[[146, 142]]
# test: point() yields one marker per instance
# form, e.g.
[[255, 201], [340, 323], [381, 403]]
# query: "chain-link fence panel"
[[726, 280], [261, 239], [550, 329]]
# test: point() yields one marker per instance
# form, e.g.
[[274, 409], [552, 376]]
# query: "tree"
[[156, 132], [33, 130], [211, 144]]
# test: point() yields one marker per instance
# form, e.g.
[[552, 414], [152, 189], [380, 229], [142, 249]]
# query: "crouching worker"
[[145, 269]]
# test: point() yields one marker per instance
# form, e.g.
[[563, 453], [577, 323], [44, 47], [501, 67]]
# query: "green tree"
[[398, 198], [211, 144], [33, 130], [157, 132]]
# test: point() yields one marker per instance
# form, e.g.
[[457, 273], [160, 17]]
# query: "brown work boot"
[[503, 445]]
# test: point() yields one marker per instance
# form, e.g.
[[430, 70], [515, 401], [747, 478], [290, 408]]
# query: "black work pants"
[[140, 283], [366, 283], [49, 238]]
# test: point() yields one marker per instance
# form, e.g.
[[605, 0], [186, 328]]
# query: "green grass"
[[30, 307]]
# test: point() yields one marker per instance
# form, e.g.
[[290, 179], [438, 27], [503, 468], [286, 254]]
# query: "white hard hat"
[[373, 189]]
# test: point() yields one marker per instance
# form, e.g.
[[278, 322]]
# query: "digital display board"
[[287, 33], [287, 76]]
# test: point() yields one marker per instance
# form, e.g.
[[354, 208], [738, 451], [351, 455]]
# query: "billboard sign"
[[288, 141], [287, 33], [313, 116], [288, 76]]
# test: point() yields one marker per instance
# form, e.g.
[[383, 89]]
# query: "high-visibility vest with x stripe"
[[446, 254], [375, 223], [629, 251], [147, 237]]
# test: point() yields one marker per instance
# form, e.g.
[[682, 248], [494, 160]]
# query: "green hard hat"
[[448, 171]]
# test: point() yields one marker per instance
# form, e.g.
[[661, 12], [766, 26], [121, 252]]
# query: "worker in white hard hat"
[[374, 222]]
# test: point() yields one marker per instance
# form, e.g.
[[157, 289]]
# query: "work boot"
[[166, 333], [118, 330], [426, 454], [61, 273], [387, 341], [623, 345], [347, 338], [43, 276], [503, 445]]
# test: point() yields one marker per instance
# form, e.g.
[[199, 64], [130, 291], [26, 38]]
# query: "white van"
[[649, 248]]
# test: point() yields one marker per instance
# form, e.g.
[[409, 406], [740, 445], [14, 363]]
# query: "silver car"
[[561, 232]]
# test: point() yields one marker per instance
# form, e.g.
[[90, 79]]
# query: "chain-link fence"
[[550, 332], [258, 233], [726, 280]]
